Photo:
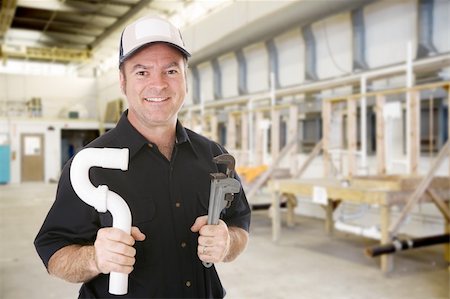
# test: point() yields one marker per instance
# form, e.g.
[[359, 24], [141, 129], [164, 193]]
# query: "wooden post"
[[381, 155], [292, 132], [351, 136], [259, 136], [214, 126], [275, 133], [276, 216], [414, 132], [244, 137], [387, 260], [447, 223], [291, 204], [329, 222], [326, 122], [231, 132], [448, 119]]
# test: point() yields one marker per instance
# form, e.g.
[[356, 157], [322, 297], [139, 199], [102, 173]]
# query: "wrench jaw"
[[229, 161]]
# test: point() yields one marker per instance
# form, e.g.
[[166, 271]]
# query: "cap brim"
[[185, 53]]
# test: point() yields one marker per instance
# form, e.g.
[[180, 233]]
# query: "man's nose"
[[157, 80]]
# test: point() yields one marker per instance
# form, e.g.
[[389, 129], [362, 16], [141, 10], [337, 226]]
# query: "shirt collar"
[[183, 137], [129, 137]]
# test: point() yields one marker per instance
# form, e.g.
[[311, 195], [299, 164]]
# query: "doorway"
[[32, 157]]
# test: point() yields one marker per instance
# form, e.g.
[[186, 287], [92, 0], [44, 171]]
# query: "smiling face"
[[154, 82]]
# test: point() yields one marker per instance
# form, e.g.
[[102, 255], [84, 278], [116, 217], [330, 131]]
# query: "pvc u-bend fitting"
[[101, 198]]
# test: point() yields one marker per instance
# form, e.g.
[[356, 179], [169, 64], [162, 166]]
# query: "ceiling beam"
[[7, 12], [120, 22], [51, 5], [44, 54], [22, 21], [100, 8]]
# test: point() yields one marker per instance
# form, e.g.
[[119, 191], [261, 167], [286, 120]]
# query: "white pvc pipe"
[[369, 232], [101, 198]]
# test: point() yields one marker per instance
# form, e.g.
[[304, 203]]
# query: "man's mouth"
[[156, 99]]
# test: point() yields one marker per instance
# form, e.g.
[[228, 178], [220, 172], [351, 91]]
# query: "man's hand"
[[114, 251], [214, 240]]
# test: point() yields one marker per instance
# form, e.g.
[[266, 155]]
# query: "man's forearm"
[[238, 242], [74, 263]]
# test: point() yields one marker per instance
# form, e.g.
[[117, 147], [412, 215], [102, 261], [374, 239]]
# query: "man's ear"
[[123, 82]]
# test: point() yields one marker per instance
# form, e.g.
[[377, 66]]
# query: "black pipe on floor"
[[401, 245]]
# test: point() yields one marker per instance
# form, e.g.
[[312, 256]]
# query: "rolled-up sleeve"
[[69, 221]]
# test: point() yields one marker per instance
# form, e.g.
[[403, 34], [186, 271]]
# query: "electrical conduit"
[[101, 198]]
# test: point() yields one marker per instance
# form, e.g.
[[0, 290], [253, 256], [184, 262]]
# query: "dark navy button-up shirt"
[[165, 197]]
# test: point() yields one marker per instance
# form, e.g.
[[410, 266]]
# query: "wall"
[[333, 46], [51, 129], [229, 67], [291, 54], [108, 89], [57, 93], [390, 25]]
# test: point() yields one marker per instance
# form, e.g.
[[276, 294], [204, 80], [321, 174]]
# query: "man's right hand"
[[114, 251]]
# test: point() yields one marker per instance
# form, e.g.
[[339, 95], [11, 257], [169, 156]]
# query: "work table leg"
[[276, 216], [329, 223], [447, 245], [387, 260]]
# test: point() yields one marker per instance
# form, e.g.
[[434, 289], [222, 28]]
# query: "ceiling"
[[67, 30]]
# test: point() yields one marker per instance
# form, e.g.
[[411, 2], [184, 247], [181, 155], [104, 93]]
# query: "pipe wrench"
[[223, 187]]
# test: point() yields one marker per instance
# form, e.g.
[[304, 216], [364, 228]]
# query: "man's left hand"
[[214, 240]]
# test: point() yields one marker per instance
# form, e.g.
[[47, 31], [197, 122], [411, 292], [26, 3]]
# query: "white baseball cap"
[[147, 30]]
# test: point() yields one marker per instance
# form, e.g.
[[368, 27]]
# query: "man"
[[166, 187]]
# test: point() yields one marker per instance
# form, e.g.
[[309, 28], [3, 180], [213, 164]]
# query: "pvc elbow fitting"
[[101, 198]]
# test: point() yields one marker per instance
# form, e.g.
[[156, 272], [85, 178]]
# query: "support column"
[[214, 124], [259, 136], [326, 122], [275, 136], [244, 137], [293, 133], [276, 216], [447, 223], [351, 136], [381, 155], [231, 132], [414, 132], [387, 260]]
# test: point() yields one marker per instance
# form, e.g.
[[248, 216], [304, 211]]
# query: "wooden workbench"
[[386, 191]]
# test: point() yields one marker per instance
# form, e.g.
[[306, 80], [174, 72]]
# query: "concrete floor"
[[306, 263]]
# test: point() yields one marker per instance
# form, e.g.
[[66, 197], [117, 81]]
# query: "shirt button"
[[177, 204], [183, 244], [150, 145], [188, 283]]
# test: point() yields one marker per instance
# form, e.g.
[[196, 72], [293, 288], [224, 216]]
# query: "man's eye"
[[172, 72], [140, 73]]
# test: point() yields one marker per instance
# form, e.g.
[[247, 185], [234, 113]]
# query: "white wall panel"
[[389, 27], [291, 55], [257, 68], [441, 25], [229, 69], [207, 81], [333, 45], [108, 89], [56, 92]]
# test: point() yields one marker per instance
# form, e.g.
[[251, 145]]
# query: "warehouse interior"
[[336, 111]]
